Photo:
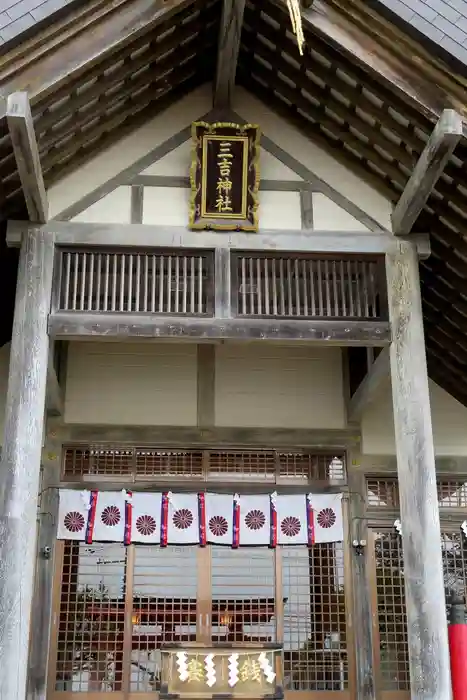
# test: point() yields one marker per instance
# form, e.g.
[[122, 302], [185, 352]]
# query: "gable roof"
[[374, 114], [442, 24], [19, 18]]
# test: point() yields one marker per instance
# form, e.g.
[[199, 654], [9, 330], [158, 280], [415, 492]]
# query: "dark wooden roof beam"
[[227, 56], [441, 144], [23, 138]]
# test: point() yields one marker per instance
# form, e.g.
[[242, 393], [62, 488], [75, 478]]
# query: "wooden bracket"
[[378, 374], [23, 137], [429, 167], [227, 57]]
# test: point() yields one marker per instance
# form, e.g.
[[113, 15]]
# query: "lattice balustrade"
[[308, 286], [134, 464], [163, 282], [182, 283]]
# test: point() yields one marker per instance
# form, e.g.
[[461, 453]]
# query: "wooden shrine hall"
[[233, 389]]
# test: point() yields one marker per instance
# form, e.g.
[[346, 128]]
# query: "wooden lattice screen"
[[166, 282], [383, 501], [117, 605], [308, 286], [142, 463]]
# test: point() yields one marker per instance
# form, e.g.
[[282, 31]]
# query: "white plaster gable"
[[295, 159]]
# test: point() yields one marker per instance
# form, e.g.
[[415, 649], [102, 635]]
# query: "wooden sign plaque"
[[224, 177]]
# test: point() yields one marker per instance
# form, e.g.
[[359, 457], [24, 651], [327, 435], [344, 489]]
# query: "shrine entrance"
[[116, 606]]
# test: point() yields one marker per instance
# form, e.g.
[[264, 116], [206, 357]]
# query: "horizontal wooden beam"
[[184, 182], [228, 48], [23, 138], [193, 436], [140, 235], [377, 376], [73, 325], [429, 167]]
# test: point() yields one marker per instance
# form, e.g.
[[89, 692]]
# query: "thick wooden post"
[[21, 458], [423, 567], [365, 671]]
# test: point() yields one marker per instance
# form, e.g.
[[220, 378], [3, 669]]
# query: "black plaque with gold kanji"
[[224, 177]]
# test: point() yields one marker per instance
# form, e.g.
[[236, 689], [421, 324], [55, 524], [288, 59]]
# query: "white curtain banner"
[[327, 517], [255, 520], [182, 518], [200, 518], [146, 518], [109, 522], [73, 513], [218, 518]]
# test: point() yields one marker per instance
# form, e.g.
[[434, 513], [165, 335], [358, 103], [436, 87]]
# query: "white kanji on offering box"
[[73, 511], [109, 520], [328, 523], [218, 518], [182, 518], [255, 519], [146, 517], [292, 525]]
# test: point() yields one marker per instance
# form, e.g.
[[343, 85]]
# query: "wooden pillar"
[[421, 539], [21, 458], [363, 624]]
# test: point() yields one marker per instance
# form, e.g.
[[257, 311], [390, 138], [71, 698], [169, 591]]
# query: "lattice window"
[[391, 611], [119, 605], [165, 282], [392, 620], [138, 464], [383, 493], [309, 467], [91, 618], [315, 636], [164, 608], [307, 286], [243, 595]]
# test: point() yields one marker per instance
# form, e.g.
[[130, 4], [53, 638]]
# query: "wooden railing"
[[159, 282], [184, 283], [299, 286]]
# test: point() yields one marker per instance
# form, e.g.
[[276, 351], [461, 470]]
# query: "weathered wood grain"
[[72, 325], [137, 235], [365, 672], [306, 208], [227, 56], [42, 606], [177, 436], [423, 566], [21, 458], [368, 390], [23, 138], [441, 144]]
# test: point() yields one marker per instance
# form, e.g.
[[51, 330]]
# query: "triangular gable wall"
[[143, 179]]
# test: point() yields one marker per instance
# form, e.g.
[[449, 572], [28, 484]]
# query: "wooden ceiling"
[[352, 111]]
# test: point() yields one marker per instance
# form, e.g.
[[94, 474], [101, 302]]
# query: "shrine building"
[[233, 388]]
